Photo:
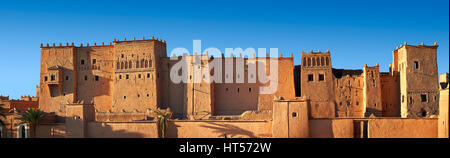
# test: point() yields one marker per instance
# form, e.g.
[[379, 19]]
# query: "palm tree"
[[163, 117], [32, 117], [2, 115]]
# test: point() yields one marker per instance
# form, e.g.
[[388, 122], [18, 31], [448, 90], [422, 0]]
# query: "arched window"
[[304, 62], [326, 60], [150, 63], [22, 131], [130, 64], [146, 63], [142, 63], [137, 64], [313, 62], [121, 65], [318, 61], [322, 62], [309, 61], [126, 65], [118, 65]]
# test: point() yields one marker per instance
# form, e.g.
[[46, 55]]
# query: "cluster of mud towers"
[[124, 81]]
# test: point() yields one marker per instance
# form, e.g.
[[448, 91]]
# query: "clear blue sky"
[[356, 32]]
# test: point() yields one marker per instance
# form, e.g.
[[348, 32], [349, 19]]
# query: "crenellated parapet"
[[422, 45], [110, 44], [141, 40], [316, 59]]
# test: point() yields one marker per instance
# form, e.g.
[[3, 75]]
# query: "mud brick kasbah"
[[110, 90]]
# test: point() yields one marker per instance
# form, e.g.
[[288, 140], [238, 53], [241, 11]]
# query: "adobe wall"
[[199, 94], [218, 129], [443, 114], [53, 130], [377, 127], [119, 116], [94, 73], [136, 76], [403, 128], [53, 97], [331, 128], [286, 86], [372, 91], [10, 128], [235, 98], [173, 95], [415, 82], [349, 96], [390, 95], [290, 119], [319, 91], [19, 105], [122, 130]]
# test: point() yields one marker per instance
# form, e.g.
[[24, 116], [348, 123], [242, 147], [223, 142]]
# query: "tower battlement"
[[312, 52], [422, 45], [60, 45], [143, 39]]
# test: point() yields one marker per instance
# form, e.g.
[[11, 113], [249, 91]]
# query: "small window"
[[249, 89], [321, 77], [424, 98], [226, 89], [127, 76], [96, 78], [340, 103], [148, 95], [122, 55], [294, 114], [124, 97], [238, 90], [148, 75], [357, 103], [403, 98], [82, 62], [45, 78], [139, 75], [94, 61], [139, 95], [310, 77], [52, 77], [120, 76], [416, 65], [67, 77], [424, 113], [85, 78]]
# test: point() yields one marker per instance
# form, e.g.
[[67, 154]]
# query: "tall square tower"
[[419, 86]]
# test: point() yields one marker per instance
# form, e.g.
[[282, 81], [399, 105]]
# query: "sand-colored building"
[[110, 91], [12, 110], [409, 89]]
